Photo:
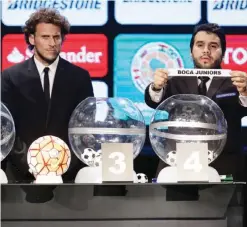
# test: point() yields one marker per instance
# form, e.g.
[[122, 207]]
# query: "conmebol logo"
[[78, 12]]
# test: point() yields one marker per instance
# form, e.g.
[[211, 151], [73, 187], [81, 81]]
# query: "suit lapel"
[[58, 81], [33, 86], [215, 86], [191, 85]]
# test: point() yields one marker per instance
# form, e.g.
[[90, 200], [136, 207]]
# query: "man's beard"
[[47, 60], [215, 65]]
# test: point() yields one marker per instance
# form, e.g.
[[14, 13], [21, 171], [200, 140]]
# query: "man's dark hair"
[[45, 15], [210, 28]]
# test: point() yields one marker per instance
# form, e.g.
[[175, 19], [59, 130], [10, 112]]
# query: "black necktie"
[[46, 85], [202, 88]]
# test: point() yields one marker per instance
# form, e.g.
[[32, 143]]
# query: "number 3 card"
[[117, 162]]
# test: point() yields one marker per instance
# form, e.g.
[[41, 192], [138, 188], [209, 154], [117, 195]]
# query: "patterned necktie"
[[46, 85], [202, 88]]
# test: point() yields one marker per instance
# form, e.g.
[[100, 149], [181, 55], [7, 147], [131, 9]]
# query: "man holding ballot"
[[225, 87]]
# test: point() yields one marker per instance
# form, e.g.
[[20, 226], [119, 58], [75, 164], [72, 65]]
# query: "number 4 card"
[[192, 162], [117, 162]]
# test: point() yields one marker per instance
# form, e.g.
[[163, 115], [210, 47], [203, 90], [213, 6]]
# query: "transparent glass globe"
[[187, 118], [105, 120], [7, 131]]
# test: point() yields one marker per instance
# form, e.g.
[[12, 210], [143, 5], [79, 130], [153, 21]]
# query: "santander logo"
[[15, 56], [86, 51], [83, 56]]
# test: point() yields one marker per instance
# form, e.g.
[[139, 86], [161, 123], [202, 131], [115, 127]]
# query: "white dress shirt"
[[157, 96], [52, 72]]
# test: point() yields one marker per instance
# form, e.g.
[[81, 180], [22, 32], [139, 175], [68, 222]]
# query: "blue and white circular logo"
[[150, 57]]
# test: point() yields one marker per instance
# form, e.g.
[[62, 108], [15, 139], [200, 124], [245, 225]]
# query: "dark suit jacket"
[[230, 159], [23, 94]]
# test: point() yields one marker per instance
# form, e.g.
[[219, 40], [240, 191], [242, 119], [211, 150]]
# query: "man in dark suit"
[[42, 92], [208, 45]]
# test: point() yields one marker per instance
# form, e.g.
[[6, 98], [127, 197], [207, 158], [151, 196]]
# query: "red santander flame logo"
[[88, 51]]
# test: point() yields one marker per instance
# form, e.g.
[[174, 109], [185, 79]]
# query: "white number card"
[[192, 162], [117, 162]]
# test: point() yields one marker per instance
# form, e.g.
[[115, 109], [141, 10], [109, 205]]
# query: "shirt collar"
[[41, 67]]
